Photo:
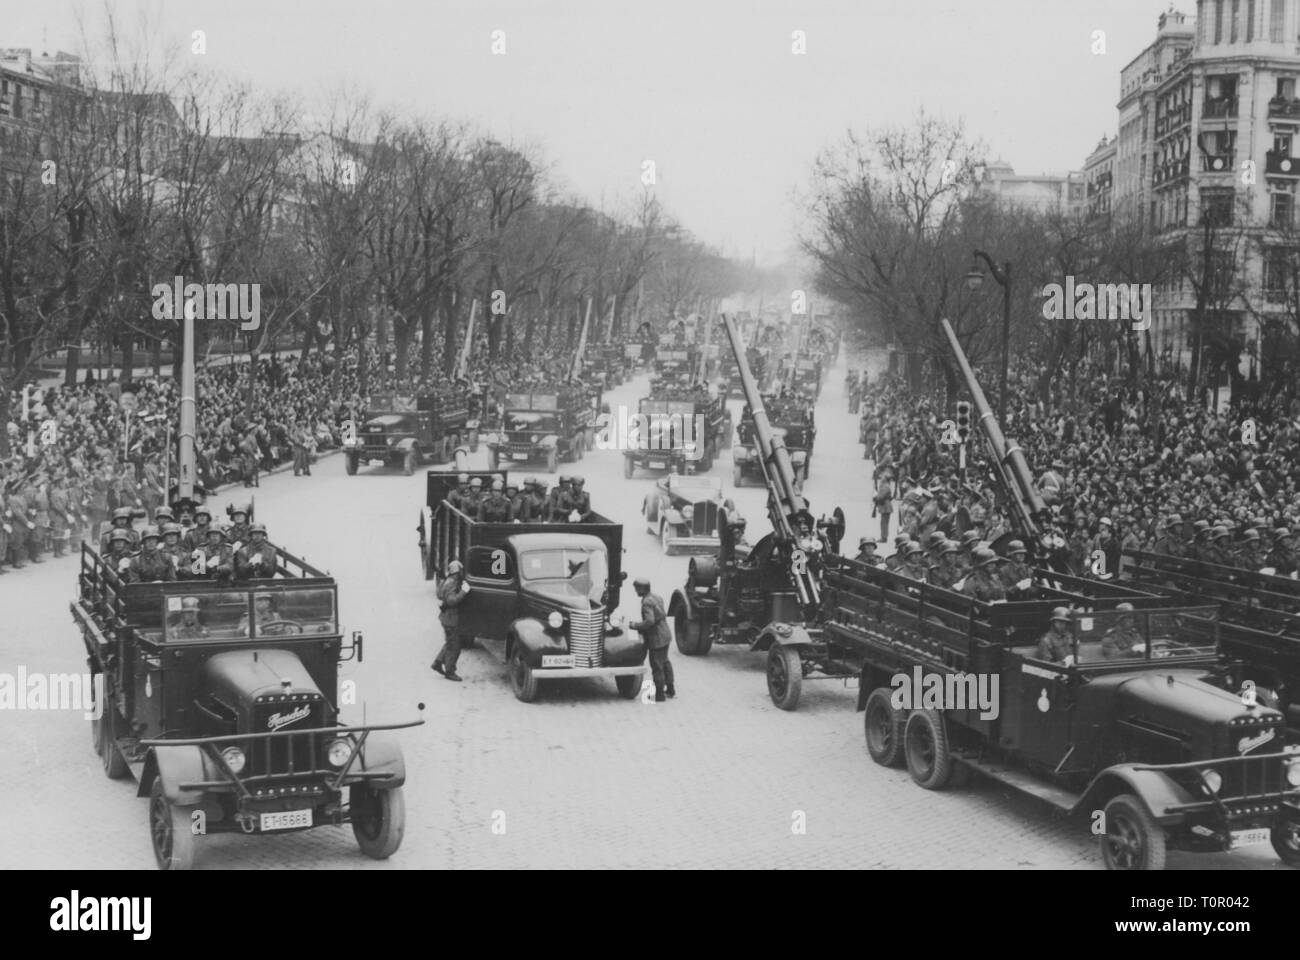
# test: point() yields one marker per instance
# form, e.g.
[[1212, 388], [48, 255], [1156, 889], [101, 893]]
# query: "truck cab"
[[546, 425], [409, 430]]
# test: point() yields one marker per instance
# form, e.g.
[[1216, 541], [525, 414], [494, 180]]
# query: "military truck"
[[409, 430], [545, 425], [792, 421], [675, 365], [678, 430], [544, 594], [803, 375], [607, 363], [222, 700]]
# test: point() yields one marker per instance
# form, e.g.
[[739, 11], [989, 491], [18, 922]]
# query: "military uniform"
[[450, 597], [220, 561], [180, 558], [149, 566], [60, 517], [983, 585], [581, 500], [196, 538], [255, 561], [944, 574], [23, 528], [495, 509], [653, 627], [869, 557], [1014, 572], [560, 504], [1055, 646], [1119, 640]]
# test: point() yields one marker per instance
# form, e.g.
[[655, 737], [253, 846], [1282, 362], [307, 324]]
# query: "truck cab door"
[[1041, 698], [493, 577]]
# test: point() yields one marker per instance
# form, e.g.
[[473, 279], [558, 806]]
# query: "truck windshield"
[[239, 615], [566, 574], [535, 422]]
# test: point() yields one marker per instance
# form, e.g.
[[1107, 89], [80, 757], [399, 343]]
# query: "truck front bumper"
[[556, 673]]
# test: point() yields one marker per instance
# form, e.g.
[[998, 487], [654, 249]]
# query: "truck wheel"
[[629, 686], [115, 767], [552, 460], [169, 831], [1286, 842], [692, 639], [925, 743], [665, 538], [784, 676], [737, 477], [1133, 841], [522, 678], [96, 723], [350, 464], [628, 469], [378, 819], [408, 463], [884, 725]]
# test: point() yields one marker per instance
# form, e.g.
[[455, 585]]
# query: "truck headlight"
[[688, 511], [555, 620], [535, 438], [391, 441], [1212, 780], [1293, 772], [338, 752], [234, 758]]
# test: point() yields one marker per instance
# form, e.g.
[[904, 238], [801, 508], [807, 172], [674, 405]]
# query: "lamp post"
[[974, 279]]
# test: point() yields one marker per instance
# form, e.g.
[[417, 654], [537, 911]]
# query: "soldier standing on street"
[[21, 542], [301, 439], [451, 594], [884, 499], [653, 627], [61, 514]]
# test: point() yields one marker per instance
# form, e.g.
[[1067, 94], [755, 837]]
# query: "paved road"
[[581, 778]]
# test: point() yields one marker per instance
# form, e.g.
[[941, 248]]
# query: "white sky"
[[708, 89]]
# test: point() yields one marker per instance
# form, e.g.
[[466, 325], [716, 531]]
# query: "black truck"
[[547, 424], [409, 430], [544, 592]]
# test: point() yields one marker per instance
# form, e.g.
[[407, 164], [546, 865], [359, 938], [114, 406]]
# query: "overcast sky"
[[707, 89]]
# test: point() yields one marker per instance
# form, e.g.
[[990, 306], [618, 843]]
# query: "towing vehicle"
[[607, 363], [222, 698], [547, 424], [803, 375], [545, 594], [791, 421], [683, 512], [674, 365], [679, 430], [410, 430]]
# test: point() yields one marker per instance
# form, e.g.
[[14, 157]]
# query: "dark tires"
[[784, 676], [629, 685], [692, 639], [115, 767], [1133, 840], [925, 746], [522, 678], [350, 464], [884, 725], [1286, 842], [169, 832], [378, 819]]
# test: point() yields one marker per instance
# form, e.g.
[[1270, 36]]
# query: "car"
[[682, 511]]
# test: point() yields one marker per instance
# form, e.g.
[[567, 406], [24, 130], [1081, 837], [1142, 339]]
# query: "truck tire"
[[115, 767], [96, 734], [1285, 838], [552, 460], [884, 726], [628, 469], [925, 744], [784, 676], [522, 678], [378, 819], [692, 639], [1133, 840], [169, 832], [629, 685], [408, 463], [350, 464]]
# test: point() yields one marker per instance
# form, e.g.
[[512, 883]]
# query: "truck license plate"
[[519, 456], [288, 820], [566, 660], [1249, 838], [657, 464], [375, 463]]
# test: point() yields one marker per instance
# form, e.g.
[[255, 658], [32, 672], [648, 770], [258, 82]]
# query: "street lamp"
[[975, 279]]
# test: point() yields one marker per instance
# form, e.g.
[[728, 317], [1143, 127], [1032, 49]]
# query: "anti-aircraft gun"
[[770, 596]]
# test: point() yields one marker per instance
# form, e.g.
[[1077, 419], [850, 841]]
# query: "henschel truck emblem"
[[278, 720], [1246, 744]]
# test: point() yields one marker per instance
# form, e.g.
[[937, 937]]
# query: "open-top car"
[[682, 511]]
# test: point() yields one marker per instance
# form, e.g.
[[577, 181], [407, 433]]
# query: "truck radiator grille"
[[704, 519], [587, 637], [290, 713]]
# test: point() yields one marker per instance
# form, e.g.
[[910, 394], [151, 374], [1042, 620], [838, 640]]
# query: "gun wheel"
[[1133, 841], [169, 831], [378, 819], [692, 639], [784, 676]]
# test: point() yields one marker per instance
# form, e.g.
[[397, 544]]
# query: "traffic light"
[[963, 419]]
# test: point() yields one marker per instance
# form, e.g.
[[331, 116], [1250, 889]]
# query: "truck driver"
[[189, 627], [1055, 644], [1122, 638]]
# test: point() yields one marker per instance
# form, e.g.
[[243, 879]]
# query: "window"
[[1282, 144], [1236, 21], [1218, 21], [1282, 214], [1279, 273], [1250, 20], [1276, 12], [1216, 206], [486, 563], [1286, 88]]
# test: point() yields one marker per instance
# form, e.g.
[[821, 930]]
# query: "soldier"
[[150, 564], [1252, 552], [495, 509], [1015, 573], [452, 592], [128, 495], [934, 548], [1201, 539], [189, 627], [965, 558], [256, 559], [653, 627], [219, 559], [22, 544], [197, 537], [532, 508], [560, 502], [61, 514], [301, 439], [237, 532], [172, 546], [946, 572], [894, 561], [118, 555], [1172, 544], [581, 499], [514, 499], [458, 495], [1216, 551], [867, 552], [1056, 645], [151, 490], [472, 497], [982, 583], [913, 561], [1122, 638], [1282, 558]]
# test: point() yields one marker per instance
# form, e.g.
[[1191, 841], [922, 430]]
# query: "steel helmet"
[[1219, 533], [118, 535], [257, 528], [454, 567], [163, 512], [950, 546], [984, 556], [1061, 614], [913, 547], [170, 528], [149, 533], [218, 530], [1015, 546], [123, 513], [496, 486], [969, 537]]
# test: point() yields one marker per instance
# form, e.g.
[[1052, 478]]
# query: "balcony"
[[1223, 163], [1281, 165], [1284, 108], [1224, 108]]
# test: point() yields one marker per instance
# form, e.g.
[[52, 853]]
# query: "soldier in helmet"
[[1015, 573], [451, 594], [1282, 557], [256, 559], [476, 495], [1252, 552], [913, 561], [458, 496], [1217, 551], [150, 564], [965, 556], [118, 555], [237, 533], [581, 499], [1172, 544], [218, 557], [514, 499], [867, 552], [121, 521], [1057, 644], [560, 503], [532, 506], [172, 546], [894, 562], [189, 627], [496, 508], [1122, 638], [983, 583], [946, 571], [197, 537]]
